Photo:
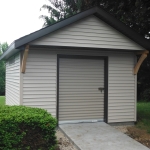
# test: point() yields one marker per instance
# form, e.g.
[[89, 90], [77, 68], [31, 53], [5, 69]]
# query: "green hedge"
[[24, 128]]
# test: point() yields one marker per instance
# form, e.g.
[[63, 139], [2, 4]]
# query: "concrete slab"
[[99, 136]]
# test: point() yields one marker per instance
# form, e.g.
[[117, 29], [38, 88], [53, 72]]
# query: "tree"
[[3, 47], [59, 10], [143, 86], [134, 13]]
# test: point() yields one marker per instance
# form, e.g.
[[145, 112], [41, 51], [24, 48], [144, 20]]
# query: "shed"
[[81, 69]]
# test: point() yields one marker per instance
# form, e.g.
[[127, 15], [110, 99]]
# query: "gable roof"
[[18, 44]]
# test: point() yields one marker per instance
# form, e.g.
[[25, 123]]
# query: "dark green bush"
[[23, 128], [145, 95]]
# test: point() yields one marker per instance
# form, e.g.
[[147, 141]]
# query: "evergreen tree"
[[3, 47]]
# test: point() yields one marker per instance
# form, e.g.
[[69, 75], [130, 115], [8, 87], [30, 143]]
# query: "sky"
[[19, 18]]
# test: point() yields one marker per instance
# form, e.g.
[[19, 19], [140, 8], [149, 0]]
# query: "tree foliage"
[[61, 9], [143, 85], [3, 47], [58, 10], [134, 13]]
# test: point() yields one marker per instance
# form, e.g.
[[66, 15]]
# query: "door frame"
[[105, 58]]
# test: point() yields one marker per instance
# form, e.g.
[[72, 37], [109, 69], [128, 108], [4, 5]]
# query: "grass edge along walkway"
[[143, 116]]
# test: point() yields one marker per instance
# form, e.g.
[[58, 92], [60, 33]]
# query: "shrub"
[[24, 128]]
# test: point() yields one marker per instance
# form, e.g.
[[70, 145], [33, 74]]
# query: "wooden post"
[[140, 61], [24, 59]]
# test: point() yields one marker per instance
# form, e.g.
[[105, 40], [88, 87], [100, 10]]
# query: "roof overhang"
[[19, 44]]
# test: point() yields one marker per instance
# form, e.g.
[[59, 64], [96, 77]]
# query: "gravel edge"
[[63, 142]]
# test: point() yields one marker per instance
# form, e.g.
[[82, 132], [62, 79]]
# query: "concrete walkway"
[[99, 136]]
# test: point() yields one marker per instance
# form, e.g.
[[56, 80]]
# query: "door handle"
[[101, 89]]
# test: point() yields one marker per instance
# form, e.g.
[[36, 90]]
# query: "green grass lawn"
[[2, 100], [143, 115]]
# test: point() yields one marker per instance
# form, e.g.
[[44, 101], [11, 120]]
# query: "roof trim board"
[[97, 11]]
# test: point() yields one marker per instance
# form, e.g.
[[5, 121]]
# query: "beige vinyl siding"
[[39, 81], [13, 80], [42, 69], [121, 106], [79, 97], [88, 32]]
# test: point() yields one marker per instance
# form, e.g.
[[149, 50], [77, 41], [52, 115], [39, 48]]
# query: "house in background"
[[81, 69]]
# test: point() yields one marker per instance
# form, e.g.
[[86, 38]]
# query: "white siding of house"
[[13, 81], [89, 32], [40, 83], [121, 88]]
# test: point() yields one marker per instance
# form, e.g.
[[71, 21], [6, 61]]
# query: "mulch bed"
[[139, 135]]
